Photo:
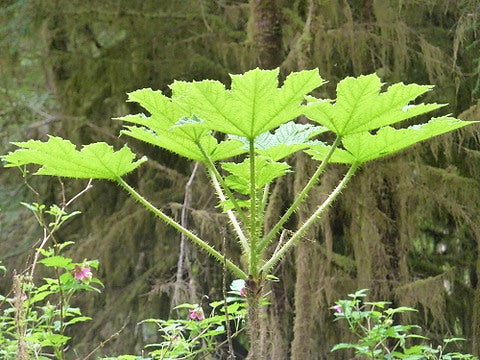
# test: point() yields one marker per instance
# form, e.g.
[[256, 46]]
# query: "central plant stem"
[[253, 270], [254, 321]]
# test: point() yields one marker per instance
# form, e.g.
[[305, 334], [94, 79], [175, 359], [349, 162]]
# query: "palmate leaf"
[[362, 147], [172, 128], [254, 104], [186, 147], [361, 107], [286, 140], [59, 157]]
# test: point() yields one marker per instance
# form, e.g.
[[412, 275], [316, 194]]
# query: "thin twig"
[[48, 236], [202, 11], [88, 187], [102, 344], [183, 253]]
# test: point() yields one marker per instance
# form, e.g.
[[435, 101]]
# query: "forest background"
[[406, 227]]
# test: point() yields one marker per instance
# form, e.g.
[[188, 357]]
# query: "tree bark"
[[304, 327], [265, 32]]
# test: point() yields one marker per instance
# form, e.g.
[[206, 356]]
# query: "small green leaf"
[[266, 171], [186, 306], [54, 340], [67, 277], [286, 140], [400, 309], [380, 304], [345, 346], [34, 207], [39, 296], [273, 278], [58, 157], [93, 263], [78, 319], [56, 261], [360, 106]]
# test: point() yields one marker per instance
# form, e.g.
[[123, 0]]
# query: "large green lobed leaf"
[[59, 157], [171, 127], [254, 104], [363, 147], [360, 106], [287, 139]]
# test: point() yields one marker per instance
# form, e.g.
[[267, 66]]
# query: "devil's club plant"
[[205, 122]]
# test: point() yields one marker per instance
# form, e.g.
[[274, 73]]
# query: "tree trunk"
[[265, 32], [303, 343]]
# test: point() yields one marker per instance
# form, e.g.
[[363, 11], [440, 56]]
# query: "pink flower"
[[195, 314], [338, 309], [82, 273], [243, 292]]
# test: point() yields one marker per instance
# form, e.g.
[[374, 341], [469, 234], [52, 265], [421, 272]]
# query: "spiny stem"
[[266, 240], [233, 219], [263, 205], [205, 246], [321, 209], [211, 166], [254, 254]]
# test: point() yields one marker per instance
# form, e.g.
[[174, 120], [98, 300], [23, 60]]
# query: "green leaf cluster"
[[46, 310], [193, 336], [379, 337]]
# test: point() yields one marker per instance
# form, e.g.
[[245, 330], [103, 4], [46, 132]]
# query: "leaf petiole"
[[211, 167], [267, 267], [241, 236], [205, 246], [278, 226]]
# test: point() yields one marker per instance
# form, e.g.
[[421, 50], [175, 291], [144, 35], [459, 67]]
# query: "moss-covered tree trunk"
[[306, 263], [266, 32]]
